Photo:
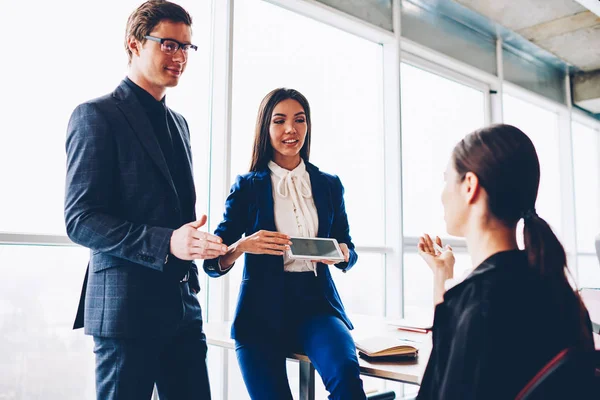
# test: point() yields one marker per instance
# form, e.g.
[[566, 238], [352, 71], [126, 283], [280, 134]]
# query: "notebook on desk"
[[382, 348]]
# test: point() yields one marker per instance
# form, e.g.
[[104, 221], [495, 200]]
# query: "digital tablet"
[[315, 249]]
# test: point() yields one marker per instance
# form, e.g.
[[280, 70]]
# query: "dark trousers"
[[311, 328], [127, 369]]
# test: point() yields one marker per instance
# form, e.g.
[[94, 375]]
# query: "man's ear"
[[471, 187], [134, 45]]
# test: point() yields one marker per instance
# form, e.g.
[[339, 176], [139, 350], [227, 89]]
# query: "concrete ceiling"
[[565, 28], [569, 29]]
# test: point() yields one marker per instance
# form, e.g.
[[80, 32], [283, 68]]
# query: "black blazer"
[[249, 208], [122, 204], [495, 331]]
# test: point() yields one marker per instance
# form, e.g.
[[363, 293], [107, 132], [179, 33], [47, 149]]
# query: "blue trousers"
[[311, 328], [128, 368]]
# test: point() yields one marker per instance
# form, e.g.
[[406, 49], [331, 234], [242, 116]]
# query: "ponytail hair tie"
[[528, 214]]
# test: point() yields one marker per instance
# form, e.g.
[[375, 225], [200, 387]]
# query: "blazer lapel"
[[138, 120], [322, 198], [181, 128], [263, 188]]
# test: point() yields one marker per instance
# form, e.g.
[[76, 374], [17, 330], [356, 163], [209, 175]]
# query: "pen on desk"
[[409, 340]]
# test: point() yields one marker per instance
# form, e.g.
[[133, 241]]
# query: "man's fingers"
[[198, 223], [196, 244], [205, 254], [206, 236], [215, 246]]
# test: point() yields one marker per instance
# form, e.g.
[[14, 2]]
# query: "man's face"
[[157, 68]]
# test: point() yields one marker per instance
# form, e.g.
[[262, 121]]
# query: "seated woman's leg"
[[327, 342], [264, 371]]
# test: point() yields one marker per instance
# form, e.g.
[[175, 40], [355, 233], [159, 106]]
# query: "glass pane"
[[436, 114], [33, 153], [588, 271], [586, 163], [418, 283], [341, 78], [541, 126], [42, 356]]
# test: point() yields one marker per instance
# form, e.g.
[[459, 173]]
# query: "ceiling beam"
[[586, 91], [592, 5], [560, 26]]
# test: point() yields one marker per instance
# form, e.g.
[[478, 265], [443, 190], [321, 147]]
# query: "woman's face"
[[287, 131], [454, 202]]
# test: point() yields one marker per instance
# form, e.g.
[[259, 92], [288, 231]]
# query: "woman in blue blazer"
[[287, 305]]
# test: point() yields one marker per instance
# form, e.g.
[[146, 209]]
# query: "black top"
[[494, 331], [171, 145]]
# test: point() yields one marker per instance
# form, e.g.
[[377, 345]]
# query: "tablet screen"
[[312, 247]]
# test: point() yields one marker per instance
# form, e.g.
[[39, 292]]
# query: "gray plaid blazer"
[[122, 204]]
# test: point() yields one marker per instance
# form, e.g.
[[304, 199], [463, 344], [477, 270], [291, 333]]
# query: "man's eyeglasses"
[[170, 46]]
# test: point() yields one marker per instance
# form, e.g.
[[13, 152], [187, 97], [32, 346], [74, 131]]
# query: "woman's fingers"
[[273, 252], [429, 244], [426, 245]]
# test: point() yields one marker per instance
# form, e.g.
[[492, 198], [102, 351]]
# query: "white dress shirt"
[[294, 208]]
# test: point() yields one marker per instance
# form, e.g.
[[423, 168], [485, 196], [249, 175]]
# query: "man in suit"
[[130, 199]]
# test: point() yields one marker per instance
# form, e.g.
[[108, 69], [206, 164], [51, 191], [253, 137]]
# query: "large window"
[[586, 164], [342, 79], [80, 56], [437, 113], [42, 357]]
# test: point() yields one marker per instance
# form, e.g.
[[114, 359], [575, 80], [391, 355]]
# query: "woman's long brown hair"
[[262, 151]]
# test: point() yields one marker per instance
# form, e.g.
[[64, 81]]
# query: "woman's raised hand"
[[441, 258], [265, 242]]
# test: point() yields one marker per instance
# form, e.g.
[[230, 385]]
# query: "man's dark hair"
[[145, 18]]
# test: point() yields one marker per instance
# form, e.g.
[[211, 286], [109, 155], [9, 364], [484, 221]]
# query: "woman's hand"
[[345, 252], [440, 262], [436, 260], [265, 242]]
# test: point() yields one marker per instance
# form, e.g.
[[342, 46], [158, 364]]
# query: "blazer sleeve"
[[89, 196], [340, 230], [470, 370], [233, 225]]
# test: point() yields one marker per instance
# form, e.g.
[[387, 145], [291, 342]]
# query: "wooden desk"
[[217, 334]]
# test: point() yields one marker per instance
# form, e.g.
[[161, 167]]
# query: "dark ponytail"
[[507, 166], [547, 255]]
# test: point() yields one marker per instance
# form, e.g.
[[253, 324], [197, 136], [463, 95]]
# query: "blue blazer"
[[249, 208], [122, 204]]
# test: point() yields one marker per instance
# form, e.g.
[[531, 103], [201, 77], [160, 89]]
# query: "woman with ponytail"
[[498, 327]]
